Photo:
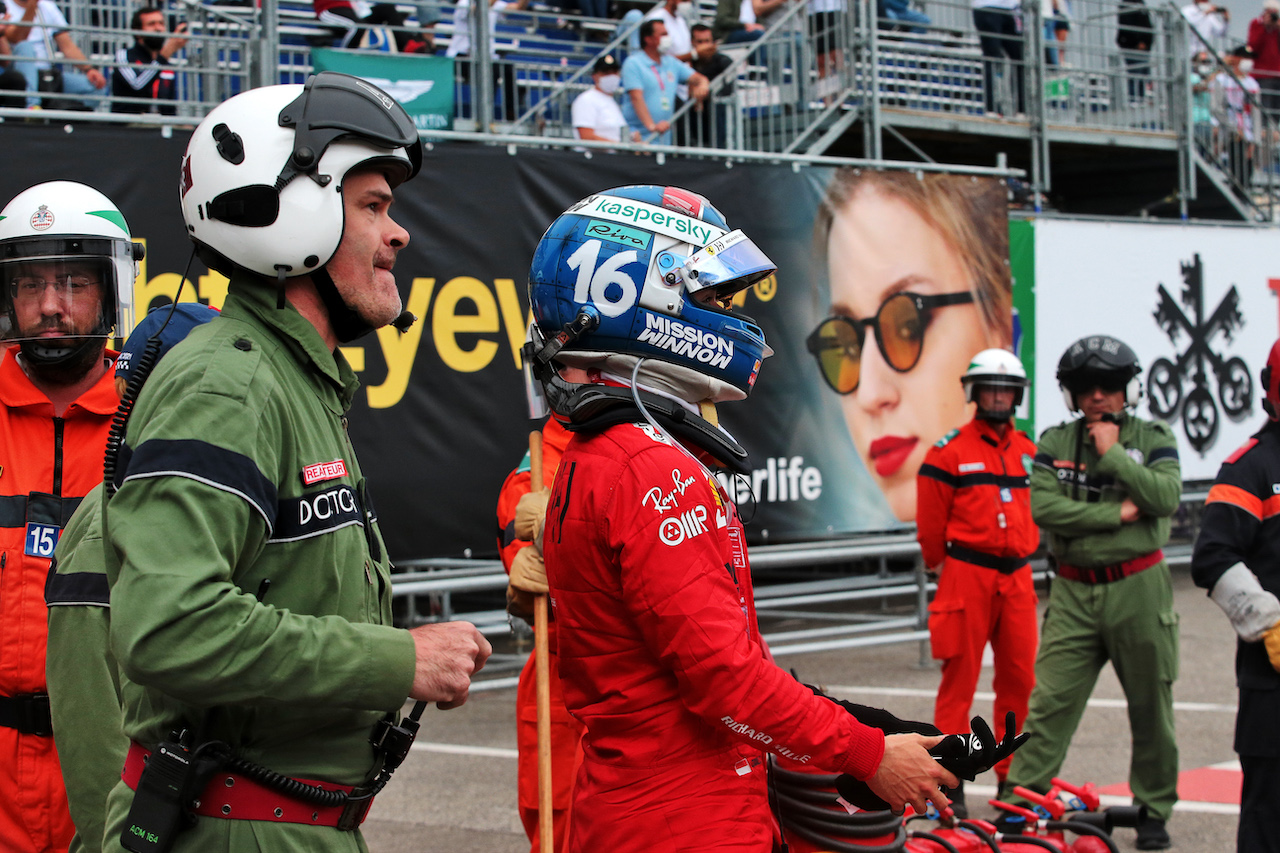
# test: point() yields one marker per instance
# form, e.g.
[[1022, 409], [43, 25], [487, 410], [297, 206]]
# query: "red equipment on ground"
[[1067, 819]]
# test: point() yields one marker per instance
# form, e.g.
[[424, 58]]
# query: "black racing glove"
[[855, 791], [879, 718], [967, 755]]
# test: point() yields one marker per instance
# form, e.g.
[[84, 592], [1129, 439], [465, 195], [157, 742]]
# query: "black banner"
[[441, 417]]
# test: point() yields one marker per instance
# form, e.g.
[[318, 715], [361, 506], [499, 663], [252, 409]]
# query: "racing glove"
[[528, 572], [967, 755], [531, 512], [852, 790], [1272, 640], [879, 718], [528, 579]]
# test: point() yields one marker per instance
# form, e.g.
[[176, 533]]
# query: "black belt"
[[1003, 565], [28, 713]]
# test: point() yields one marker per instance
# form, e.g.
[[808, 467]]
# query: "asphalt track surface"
[[457, 789]]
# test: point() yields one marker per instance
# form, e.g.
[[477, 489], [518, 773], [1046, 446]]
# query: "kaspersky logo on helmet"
[[649, 216]]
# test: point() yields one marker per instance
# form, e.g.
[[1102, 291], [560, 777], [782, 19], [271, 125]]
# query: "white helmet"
[[59, 223], [995, 368], [262, 177]]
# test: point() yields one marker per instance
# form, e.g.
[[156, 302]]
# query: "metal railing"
[[795, 90]]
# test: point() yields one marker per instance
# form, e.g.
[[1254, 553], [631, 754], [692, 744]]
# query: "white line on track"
[[921, 693], [985, 792], [462, 749]]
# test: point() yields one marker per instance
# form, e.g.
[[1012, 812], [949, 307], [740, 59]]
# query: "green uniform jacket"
[[238, 471], [1085, 529], [83, 679]]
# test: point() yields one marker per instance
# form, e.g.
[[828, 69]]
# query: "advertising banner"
[[422, 84], [441, 416], [1197, 304]]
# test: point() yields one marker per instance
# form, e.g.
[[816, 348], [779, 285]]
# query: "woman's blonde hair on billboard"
[[971, 214]]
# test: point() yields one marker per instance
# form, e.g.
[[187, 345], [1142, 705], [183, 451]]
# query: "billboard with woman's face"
[[887, 284], [918, 282]]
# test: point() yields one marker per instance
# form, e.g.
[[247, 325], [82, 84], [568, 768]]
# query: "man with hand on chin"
[[1103, 487]]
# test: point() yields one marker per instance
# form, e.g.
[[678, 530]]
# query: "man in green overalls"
[[1103, 487]]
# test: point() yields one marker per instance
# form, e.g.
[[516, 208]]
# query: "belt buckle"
[[356, 807], [34, 714]]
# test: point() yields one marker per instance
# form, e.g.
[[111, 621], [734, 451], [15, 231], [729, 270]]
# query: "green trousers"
[[1131, 623]]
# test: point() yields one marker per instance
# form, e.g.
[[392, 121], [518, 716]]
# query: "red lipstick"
[[888, 453]]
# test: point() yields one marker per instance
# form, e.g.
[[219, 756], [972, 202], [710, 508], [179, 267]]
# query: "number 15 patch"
[[41, 539]]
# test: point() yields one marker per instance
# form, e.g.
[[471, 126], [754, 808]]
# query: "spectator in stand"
[[650, 78], [10, 78], [425, 40], [1202, 120], [1057, 23], [898, 14], [1133, 37], [711, 119], [595, 114], [34, 26], [143, 70], [999, 26], [460, 47], [681, 40], [1264, 41], [1233, 93], [735, 22], [824, 28], [345, 25], [1210, 22]]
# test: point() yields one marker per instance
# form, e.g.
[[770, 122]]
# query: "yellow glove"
[[528, 572], [531, 512], [1272, 640]]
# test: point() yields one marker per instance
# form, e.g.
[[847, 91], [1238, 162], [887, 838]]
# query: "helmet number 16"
[[596, 280]]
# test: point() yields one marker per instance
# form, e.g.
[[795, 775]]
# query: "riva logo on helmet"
[[651, 217], [42, 219], [686, 340], [619, 234]]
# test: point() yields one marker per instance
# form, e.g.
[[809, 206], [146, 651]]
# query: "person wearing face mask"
[[1202, 120], [1210, 23], [143, 81], [651, 78], [679, 38], [1233, 94], [596, 114], [1264, 41]]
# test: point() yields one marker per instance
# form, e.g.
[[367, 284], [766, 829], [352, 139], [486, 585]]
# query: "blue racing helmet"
[[649, 271]]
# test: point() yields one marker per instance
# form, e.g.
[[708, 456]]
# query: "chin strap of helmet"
[[346, 323], [592, 408]]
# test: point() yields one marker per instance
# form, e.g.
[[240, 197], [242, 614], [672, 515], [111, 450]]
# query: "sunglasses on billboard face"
[[899, 326]]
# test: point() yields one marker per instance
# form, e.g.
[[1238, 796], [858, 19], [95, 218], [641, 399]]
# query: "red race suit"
[[47, 464], [974, 519], [661, 657], [566, 732]]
